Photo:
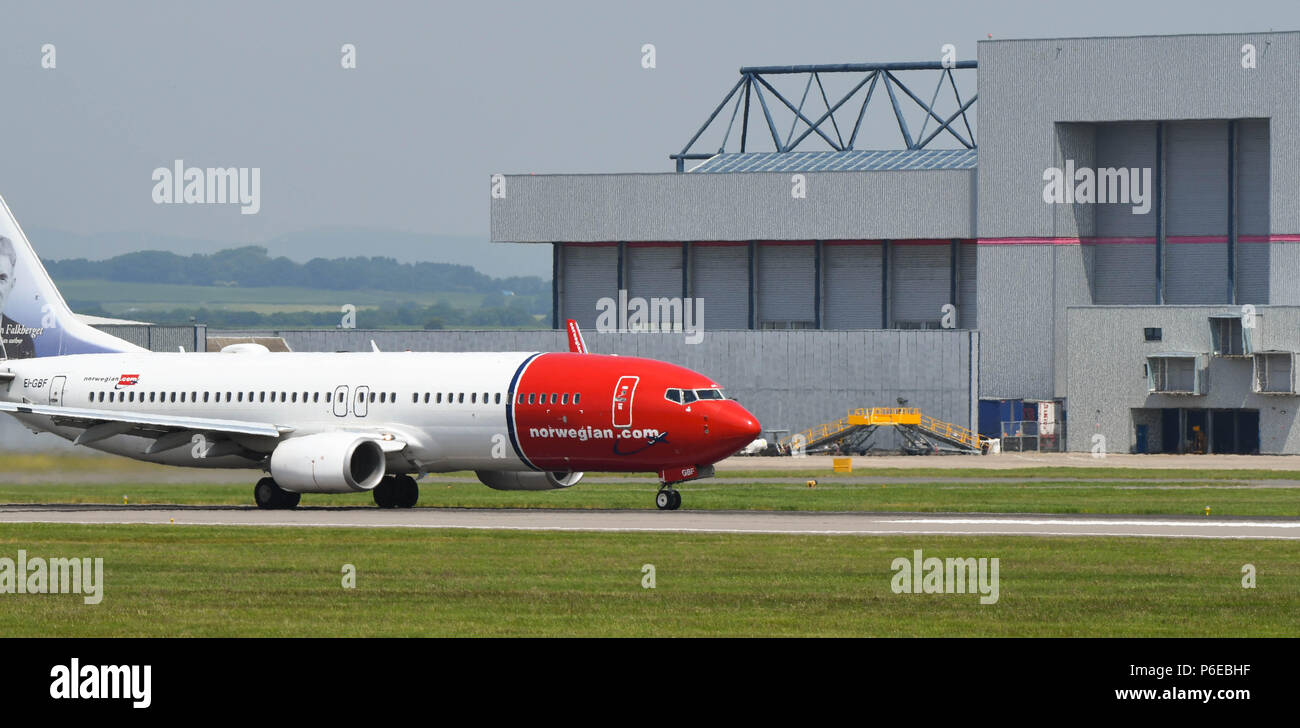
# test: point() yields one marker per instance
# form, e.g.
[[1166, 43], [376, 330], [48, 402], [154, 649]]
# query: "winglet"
[[373, 346], [576, 344]]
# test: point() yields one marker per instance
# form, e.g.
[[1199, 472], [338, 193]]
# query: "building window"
[[1274, 372], [1175, 373], [1153, 334], [1228, 336]]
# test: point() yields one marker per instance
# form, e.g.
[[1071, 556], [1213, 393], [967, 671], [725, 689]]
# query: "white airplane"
[[354, 422]]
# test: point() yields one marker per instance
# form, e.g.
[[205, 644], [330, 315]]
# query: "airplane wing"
[[576, 344], [102, 424]]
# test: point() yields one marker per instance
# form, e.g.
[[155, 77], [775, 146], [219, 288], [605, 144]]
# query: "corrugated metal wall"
[[1124, 261], [1196, 174], [786, 283], [160, 338], [1252, 210], [590, 272], [920, 280], [653, 270], [851, 276], [720, 278]]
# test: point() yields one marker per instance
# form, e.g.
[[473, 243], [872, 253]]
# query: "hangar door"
[[1252, 210], [1124, 269], [851, 280], [787, 285], [590, 273], [966, 291], [654, 270], [1196, 173], [720, 282], [920, 282]]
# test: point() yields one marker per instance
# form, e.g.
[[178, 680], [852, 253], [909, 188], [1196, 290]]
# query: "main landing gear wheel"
[[397, 491], [668, 499], [269, 494]]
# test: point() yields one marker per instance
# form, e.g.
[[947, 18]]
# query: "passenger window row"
[[457, 398], [292, 397], [552, 398]]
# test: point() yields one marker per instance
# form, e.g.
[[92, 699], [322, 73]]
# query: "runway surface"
[[802, 523]]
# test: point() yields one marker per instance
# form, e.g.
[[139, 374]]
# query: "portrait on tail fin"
[[16, 340]]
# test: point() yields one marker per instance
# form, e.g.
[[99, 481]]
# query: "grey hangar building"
[[1115, 261]]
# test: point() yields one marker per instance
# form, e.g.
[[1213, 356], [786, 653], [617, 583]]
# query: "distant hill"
[[253, 266], [494, 259]]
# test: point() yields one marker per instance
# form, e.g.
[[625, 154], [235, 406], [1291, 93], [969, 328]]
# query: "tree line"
[[515, 314], [252, 266]]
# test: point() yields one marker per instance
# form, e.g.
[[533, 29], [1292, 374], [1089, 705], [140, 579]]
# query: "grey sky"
[[443, 96]]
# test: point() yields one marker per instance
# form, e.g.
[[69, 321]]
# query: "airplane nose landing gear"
[[668, 499]]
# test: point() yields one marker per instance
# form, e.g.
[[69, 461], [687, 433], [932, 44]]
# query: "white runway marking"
[[737, 522]]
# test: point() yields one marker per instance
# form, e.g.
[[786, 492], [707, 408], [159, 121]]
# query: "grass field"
[[196, 581]]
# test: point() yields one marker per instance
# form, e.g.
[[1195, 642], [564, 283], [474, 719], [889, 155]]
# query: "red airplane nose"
[[736, 425]]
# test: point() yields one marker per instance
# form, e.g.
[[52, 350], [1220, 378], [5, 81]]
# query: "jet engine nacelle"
[[328, 462], [503, 480]]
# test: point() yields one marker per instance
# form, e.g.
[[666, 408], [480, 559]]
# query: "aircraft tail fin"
[[35, 321], [576, 344]]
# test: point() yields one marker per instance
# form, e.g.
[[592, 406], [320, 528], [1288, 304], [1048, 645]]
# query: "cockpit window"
[[673, 395], [688, 396], [709, 394]]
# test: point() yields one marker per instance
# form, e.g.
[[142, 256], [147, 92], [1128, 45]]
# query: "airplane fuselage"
[[513, 411]]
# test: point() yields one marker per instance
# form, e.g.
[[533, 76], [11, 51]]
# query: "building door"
[[1142, 439], [1248, 432], [1223, 431], [1170, 437], [1197, 431]]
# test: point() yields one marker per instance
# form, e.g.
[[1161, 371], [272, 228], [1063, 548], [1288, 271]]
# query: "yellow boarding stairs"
[[921, 433]]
